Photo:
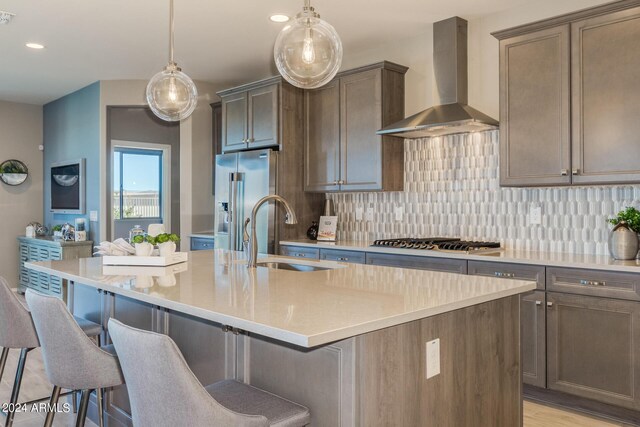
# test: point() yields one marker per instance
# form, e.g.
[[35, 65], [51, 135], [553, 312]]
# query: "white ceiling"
[[218, 41]]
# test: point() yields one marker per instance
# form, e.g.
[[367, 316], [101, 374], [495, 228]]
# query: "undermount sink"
[[276, 265]]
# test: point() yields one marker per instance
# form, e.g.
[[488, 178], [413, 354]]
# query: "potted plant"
[[57, 231], [166, 243], [623, 239]]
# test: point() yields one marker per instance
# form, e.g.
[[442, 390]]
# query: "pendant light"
[[308, 51], [171, 94]]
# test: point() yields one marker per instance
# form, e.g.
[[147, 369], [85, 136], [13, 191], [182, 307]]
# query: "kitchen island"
[[348, 341]]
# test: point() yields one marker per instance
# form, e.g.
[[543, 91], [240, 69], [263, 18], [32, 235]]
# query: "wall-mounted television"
[[68, 186]]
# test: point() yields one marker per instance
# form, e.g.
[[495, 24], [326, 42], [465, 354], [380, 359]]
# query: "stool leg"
[[3, 360], [74, 401], [16, 387], [82, 411], [53, 403], [100, 401]]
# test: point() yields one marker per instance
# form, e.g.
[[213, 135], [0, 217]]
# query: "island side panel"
[[479, 383]]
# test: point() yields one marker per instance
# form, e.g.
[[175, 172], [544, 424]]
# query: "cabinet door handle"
[[575, 172], [592, 283], [549, 304], [505, 275], [341, 182], [564, 172], [538, 302]]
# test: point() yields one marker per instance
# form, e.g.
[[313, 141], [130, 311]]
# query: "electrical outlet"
[[93, 216], [359, 214], [535, 215], [398, 212], [369, 214], [433, 358]]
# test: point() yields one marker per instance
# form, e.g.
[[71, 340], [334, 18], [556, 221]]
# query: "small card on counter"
[[327, 228]]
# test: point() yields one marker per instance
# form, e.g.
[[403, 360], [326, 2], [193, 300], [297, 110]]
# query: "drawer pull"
[[592, 283], [300, 255], [343, 258], [504, 275], [538, 302], [549, 304]]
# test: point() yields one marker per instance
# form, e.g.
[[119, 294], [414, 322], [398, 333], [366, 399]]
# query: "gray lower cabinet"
[[300, 252], [532, 315], [504, 270], [202, 243], [593, 282], [355, 257], [533, 338], [593, 347], [418, 262]]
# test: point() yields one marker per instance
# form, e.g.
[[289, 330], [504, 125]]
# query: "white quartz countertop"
[[307, 309], [549, 259]]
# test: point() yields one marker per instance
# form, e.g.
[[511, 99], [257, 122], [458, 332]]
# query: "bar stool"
[[71, 359], [17, 331], [163, 391]]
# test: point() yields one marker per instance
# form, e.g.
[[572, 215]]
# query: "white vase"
[[167, 248], [144, 249]]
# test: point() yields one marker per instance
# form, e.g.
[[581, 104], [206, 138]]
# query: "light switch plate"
[[369, 214], [398, 212], [93, 216], [433, 358], [359, 214], [535, 215]]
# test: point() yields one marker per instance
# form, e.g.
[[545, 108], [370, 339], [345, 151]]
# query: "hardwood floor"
[[537, 415], [35, 385]]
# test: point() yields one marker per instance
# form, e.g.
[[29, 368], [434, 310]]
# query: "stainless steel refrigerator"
[[241, 180]]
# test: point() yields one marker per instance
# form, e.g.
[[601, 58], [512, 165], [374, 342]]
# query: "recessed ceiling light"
[[278, 17], [35, 46]]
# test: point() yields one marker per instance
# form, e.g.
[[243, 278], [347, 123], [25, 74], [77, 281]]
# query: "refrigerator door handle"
[[235, 183]]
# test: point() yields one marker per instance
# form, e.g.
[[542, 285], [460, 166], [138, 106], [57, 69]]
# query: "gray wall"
[[139, 124], [21, 134], [71, 131]]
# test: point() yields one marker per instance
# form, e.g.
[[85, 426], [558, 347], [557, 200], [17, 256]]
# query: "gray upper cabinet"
[[568, 99], [234, 122], [322, 138], [263, 116], [250, 116], [343, 152], [605, 69], [534, 112]]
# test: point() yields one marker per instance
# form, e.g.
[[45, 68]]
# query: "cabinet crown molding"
[[566, 18]]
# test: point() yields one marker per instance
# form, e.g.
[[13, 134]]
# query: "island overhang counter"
[[349, 341]]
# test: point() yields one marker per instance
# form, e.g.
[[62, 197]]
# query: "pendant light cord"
[[171, 30]]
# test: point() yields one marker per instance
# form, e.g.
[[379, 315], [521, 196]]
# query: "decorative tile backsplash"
[[452, 189]]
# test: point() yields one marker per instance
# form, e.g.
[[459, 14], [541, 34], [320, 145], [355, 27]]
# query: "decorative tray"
[[155, 261]]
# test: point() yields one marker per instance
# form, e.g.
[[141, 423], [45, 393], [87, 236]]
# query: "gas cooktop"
[[441, 244]]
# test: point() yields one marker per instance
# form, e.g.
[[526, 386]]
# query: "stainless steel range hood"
[[450, 66]]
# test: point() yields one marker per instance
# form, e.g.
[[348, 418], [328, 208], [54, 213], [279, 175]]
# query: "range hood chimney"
[[453, 115]]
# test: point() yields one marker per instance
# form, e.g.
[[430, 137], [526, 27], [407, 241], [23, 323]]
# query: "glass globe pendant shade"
[[171, 94], [308, 51]]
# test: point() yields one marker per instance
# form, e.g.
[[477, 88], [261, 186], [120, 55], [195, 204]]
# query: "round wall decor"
[[13, 172]]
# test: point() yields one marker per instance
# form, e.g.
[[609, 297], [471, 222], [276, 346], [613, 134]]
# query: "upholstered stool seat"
[[246, 399], [71, 359], [164, 392]]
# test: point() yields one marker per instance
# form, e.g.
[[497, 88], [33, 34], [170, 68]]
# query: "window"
[[137, 183]]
